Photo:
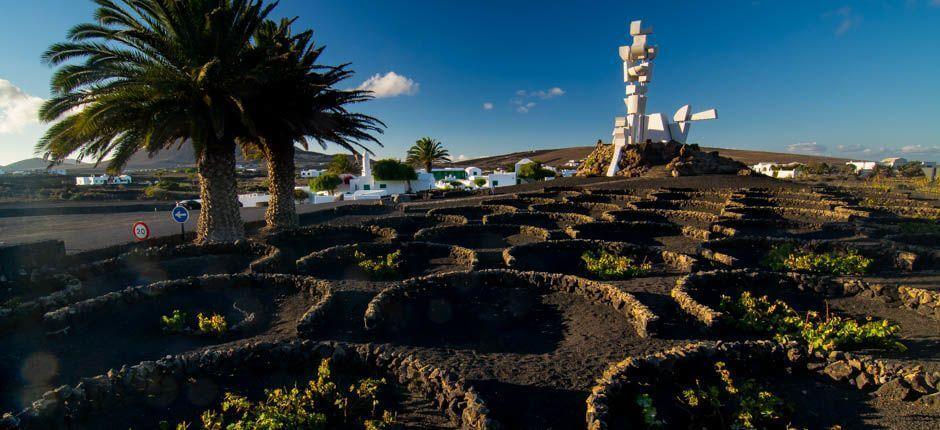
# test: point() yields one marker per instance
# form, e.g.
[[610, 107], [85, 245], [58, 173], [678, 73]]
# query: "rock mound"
[[659, 159]]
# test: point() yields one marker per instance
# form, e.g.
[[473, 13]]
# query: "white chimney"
[[366, 165]]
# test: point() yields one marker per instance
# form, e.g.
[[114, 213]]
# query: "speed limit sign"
[[140, 231]]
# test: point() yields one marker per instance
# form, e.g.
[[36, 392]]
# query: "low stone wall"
[[688, 288], [812, 203], [379, 314], [577, 208], [416, 222], [471, 213], [77, 313], [755, 248], [516, 201], [438, 234], [267, 258], [564, 256], [328, 261], [130, 386], [659, 215], [322, 235], [891, 381], [19, 261], [12, 316], [547, 220], [610, 230], [624, 377], [711, 208], [594, 197], [770, 212]]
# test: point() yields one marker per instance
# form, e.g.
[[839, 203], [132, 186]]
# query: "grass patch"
[[788, 257], [822, 333], [607, 266], [319, 405], [383, 268]]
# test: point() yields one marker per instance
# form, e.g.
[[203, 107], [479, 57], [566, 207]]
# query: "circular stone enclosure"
[[417, 259], [492, 310], [180, 387], [516, 202], [148, 265], [564, 256], [546, 220], [406, 226], [295, 244], [484, 236], [472, 213], [89, 337]]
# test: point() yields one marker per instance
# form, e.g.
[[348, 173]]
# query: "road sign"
[[180, 214], [140, 231]]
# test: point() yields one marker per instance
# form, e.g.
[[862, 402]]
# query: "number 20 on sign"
[[141, 231]]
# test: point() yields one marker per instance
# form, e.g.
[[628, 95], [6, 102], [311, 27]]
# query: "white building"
[[777, 170], [862, 167], [521, 163], [501, 178], [103, 180], [367, 184], [894, 162], [310, 173]]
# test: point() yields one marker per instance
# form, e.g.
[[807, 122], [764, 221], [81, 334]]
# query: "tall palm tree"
[[427, 151], [155, 74], [299, 100]]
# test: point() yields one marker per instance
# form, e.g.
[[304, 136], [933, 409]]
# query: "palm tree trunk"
[[427, 166], [282, 212], [219, 219]]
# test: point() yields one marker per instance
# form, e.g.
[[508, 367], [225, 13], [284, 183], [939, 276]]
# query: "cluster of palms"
[[148, 75]]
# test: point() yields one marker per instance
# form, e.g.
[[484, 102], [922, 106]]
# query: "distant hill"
[[39, 163], [183, 157], [556, 157]]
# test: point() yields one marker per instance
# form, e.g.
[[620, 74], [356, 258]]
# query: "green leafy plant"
[[381, 268], [479, 182], [650, 418], [826, 333], [534, 171], [606, 265], [325, 182], [214, 324], [741, 404], [175, 322], [321, 405], [787, 256]]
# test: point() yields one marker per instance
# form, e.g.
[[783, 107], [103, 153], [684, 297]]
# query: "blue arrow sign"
[[180, 214]]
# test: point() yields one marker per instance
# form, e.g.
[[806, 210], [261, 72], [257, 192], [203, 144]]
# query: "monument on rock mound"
[[641, 141]]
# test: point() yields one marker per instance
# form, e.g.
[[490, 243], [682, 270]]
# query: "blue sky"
[[855, 79]]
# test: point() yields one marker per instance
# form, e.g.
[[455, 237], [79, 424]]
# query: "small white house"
[[310, 173], [473, 171], [103, 180], [862, 167], [254, 199], [501, 178], [367, 182], [776, 170]]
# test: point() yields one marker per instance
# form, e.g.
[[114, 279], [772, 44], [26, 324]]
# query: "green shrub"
[[479, 182], [759, 314], [534, 171], [300, 194], [607, 266], [175, 322], [390, 169], [650, 418], [382, 268], [787, 257], [325, 182], [214, 324], [741, 404], [321, 405]]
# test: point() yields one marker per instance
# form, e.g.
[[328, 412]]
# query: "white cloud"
[[523, 100], [389, 85], [18, 109], [524, 108], [920, 149], [812, 148], [487, 106], [847, 18], [460, 157]]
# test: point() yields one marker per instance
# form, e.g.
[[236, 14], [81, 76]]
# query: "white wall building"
[[310, 173], [103, 180], [777, 170], [862, 167]]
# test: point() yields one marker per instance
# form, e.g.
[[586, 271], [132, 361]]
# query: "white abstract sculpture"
[[637, 127]]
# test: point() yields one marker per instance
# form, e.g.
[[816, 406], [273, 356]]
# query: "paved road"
[[93, 231]]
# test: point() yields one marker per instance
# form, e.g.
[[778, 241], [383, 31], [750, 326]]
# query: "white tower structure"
[[637, 127], [366, 165]]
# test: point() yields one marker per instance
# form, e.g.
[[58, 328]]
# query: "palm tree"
[[158, 73], [425, 152], [299, 100]]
